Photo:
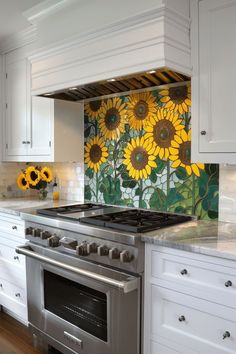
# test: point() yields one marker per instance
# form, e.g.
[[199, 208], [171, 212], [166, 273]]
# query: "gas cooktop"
[[135, 220]]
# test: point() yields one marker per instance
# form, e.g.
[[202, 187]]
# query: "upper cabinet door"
[[213, 87], [41, 127], [16, 108]]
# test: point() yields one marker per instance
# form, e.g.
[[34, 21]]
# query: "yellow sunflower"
[[22, 182], [93, 108], [95, 153], [140, 108], [46, 174], [161, 130], [112, 118], [139, 157], [180, 154], [177, 99], [32, 175]]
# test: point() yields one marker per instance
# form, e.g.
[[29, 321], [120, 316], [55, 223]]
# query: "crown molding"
[[46, 8], [18, 39]]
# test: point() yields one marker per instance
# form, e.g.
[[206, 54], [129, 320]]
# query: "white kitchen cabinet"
[[13, 296], [189, 303], [38, 128], [213, 82]]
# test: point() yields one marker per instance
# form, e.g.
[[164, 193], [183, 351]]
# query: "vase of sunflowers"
[[36, 178]]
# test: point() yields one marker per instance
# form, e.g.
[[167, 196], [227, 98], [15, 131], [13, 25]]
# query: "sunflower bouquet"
[[35, 178]]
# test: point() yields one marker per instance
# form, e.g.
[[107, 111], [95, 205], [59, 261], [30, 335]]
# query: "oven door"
[[86, 307]]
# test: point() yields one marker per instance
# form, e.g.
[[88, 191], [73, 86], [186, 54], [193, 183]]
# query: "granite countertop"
[[15, 206], [213, 238]]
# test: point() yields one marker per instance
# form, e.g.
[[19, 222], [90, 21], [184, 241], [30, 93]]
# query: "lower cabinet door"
[[194, 323], [169, 348]]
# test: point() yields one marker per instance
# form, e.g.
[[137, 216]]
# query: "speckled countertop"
[[213, 238], [15, 206]]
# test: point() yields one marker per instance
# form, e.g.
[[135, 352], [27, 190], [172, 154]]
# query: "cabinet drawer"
[[13, 273], [9, 254], [13, 291], [12, 226], [198, 324], [167, 347], [213, 281]]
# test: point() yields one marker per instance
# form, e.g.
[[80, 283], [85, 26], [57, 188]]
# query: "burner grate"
[[136, 220]]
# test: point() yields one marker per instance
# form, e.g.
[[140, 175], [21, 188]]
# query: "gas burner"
[[135, 220], [68, 209]]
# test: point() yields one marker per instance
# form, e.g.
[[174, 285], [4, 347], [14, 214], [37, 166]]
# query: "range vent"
[[112, 86]]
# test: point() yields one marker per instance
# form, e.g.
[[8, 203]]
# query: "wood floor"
[[14, 337]]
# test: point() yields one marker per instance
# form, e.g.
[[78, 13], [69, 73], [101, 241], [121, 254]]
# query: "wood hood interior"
[[113, 86]]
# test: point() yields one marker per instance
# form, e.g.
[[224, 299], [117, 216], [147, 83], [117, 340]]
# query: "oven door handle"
[[126, 286]]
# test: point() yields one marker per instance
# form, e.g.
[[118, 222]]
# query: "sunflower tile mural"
[[138, 150]]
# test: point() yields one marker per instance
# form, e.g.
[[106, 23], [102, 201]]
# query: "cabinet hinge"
[[50, 143], [6, 146], [6, 75], [6, 105]]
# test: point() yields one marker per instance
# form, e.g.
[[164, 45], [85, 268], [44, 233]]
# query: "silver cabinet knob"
[[226, 334], [102, 250], [24, 142], [1, 285], [125, 256], [17, 294], [16, 258], [228, 283], [203, 132], [14, 227], [184, 272], [114, 253], [181, 318]]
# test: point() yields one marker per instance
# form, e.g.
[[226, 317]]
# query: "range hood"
[[112, 86]]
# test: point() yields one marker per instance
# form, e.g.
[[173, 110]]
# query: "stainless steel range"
[[85, 268]]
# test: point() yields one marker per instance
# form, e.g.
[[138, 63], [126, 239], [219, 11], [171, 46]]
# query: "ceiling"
[[139, 81], [11, 17]]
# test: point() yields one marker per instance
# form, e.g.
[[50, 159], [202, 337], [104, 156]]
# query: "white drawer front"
[[8, 253], [157, 348], [11, 226], [13, 273], [215, 281], [13, 291], [168, 347], [195, 323]]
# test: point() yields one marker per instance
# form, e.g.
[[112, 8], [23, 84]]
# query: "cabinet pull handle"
[[181, 318], [203, 132], [17, 294], [228, 283], [1, 285], [16, 258], [226, 335], [27, 142], [24, 142], [184, 272], [14, 227]]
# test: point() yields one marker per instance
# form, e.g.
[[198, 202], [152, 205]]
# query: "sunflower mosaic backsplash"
[[138, 151]]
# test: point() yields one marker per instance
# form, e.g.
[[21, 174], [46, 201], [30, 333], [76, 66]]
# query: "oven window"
[[84, 307]]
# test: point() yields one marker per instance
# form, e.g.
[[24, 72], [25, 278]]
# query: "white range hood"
[[156, 37]]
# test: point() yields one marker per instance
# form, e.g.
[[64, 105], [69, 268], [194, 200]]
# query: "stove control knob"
[[114, 253], [36, 232], [92, 247], [29, 230], [103, 250], [81, 249], [125, 256], [53, 241], [45, 234]]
